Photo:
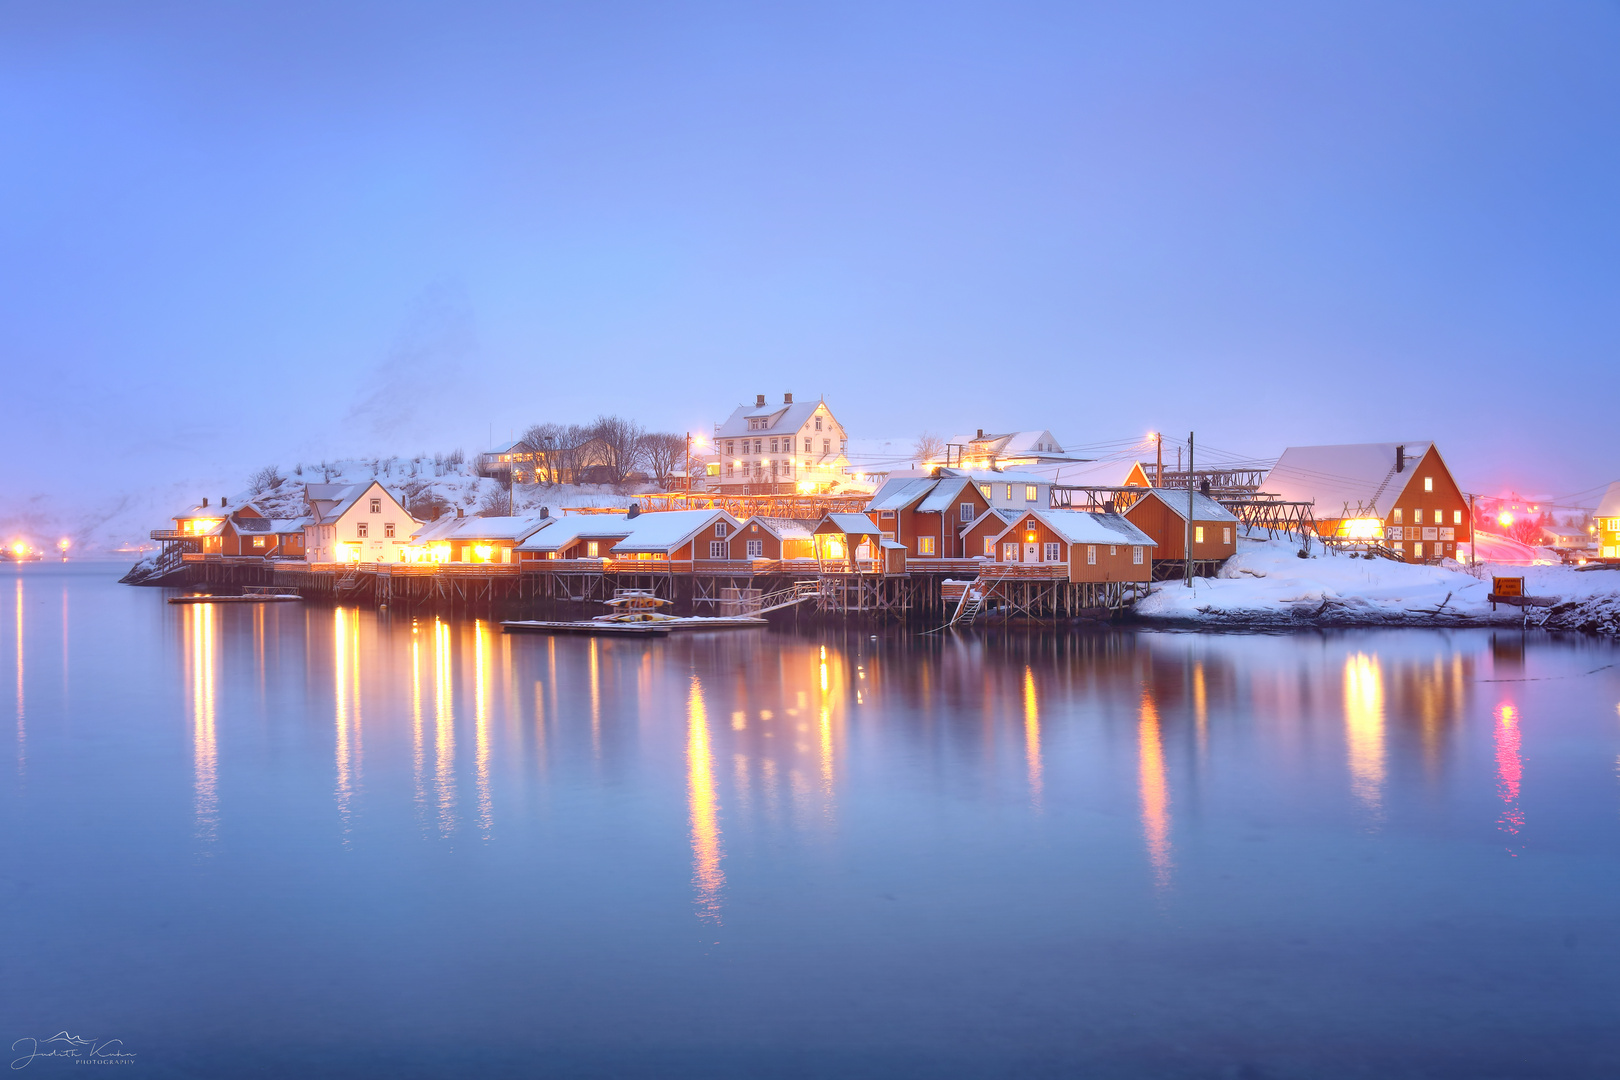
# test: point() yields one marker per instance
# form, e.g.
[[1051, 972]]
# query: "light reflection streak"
[[418, 747], [481, 726], [596, 703], [344, 724], [1155, 791], [1201, 708], [707, 876], [1032, 736], [22, 711], [826, 753], [1509, 771], [199, 624], [1364, 728], [444, 730]]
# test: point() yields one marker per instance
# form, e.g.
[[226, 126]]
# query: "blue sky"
[[235, 234]]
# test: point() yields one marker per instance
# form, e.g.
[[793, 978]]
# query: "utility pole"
[[1158, 465], [1473, 534], [688, 471], [1189, 509]]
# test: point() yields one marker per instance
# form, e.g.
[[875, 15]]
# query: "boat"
[[246, 598], [635, 612]]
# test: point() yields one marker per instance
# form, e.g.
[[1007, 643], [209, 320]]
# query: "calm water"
[[299, 840]]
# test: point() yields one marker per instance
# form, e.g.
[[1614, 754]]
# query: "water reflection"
[[199, 630], [1154, 790], [1364, 728], [346, 708], [1032, 736], [444, 729], [703, 808], [481, 725], [1509, 770], [418, 746], [22, 712]]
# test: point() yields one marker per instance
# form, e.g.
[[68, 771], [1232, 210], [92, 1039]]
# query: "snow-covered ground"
[[1267, 584]]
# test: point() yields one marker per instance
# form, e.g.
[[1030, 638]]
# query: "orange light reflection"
[[707, 876], [1155, 791]]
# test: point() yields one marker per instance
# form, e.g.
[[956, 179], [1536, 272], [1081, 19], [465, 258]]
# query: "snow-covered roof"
[[897, 494], [236, 504], [991, 476], [782, 417], [1609, 505], [666, 530], [1358, 478], [1083, 527], [992, 447], [565, 530], [515, 529], [328, 502], [1115, 473], [943, 499], [1004, 513], [850, 525], [517, 446], [1204, 508], [276, 526], [783, 528]]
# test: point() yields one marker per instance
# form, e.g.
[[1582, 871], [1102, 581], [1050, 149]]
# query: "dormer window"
[[376, 506]]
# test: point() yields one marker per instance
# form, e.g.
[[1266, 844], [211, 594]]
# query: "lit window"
[[376, 506], [926, 546], [388, 530], [966, 511], [1052, 553], [984, 489], [1198, 534], [1428, 483], [1030, 492], [1456, 517], [989, 547], [1009, 493], [361, 530], [1397, 515], [1091, 554], [1009, 552], [1417, 551], [258, 541], [593, 549], [1136, 554], [1417, 516]]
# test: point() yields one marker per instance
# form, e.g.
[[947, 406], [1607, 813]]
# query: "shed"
[[1162, 514]]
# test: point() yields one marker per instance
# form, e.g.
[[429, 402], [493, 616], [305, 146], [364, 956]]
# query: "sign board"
[[1507, 586]]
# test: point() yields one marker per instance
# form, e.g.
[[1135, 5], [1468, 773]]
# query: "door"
[[1032, 553]]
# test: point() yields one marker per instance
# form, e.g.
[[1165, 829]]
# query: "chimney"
[[458, 511], [759, 401], [787, 399], [205, 500], [222, 500], [1400, 459], [981, 433]]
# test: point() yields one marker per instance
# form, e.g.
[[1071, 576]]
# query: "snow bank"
[[1267, 584]]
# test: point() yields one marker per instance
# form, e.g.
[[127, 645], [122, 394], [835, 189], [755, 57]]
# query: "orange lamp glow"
[[1505, 519]]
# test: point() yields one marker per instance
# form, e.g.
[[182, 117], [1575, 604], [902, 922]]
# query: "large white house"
[[773, 449], [1005, 451], [355, 523]]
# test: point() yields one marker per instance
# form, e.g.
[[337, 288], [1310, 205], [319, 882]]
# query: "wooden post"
[[1189, 509]]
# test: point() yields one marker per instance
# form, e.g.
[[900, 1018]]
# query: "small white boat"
[[634, 613]]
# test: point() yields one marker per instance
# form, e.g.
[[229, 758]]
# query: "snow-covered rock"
[[1268, 584]]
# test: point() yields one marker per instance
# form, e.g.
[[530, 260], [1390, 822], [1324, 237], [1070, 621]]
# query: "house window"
[[593, 549], [756, 549], [728, 469], [1226, 534], [1456, 517], [1198, 534], [1397, 515], [720, 528], [730, 448], [1417, 517], [757, 444], [258, 541], [362, 530], [888, 536], [989, 547], [1136, 554], [1428, 483], [885, 514], [826, 446], [1030, 492], [1052, 553], [984, 489], [388, 530], [926, 546], [376, 506], [818, 421], [717, 549], [807, 446], [966, 512], [773, 446], [1091, 554], [1417, 551], [1009, 552], [1113, 549], [1009, 493]]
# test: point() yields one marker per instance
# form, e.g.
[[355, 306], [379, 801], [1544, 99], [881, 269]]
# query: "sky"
[[239, 234]]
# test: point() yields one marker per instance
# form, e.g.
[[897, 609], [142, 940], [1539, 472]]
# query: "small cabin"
[[262, 537], [774, 539], [978, 539], [1077, 545], [1606, 523], [575, 536], [1162, 513], [848, 541], [926, 514], [472, 539], [695, 536]]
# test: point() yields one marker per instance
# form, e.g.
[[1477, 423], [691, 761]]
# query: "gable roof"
[[900, 493], [666, 530], [1083, 527], [992, 447], [1005, 513], [517, 528], [783, 528], [782, 417], [1204, 508], [1344, 481], [328, 502], [565, 530], [849, 525], [943, 499], [1609, 506]]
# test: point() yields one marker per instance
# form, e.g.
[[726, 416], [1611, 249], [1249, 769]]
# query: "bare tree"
[[930, 449], [621, 443], [265, 479], [1526, 530], [662, 452]]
